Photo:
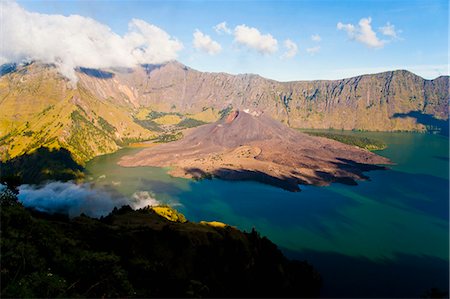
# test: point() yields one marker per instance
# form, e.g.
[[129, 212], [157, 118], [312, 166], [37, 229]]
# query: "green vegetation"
[[155, 114], [27, 133], [190, 123], [169, 137], [41, 165], [158, 114], [139, 254], [149, 124], [106, 125], [225, 112], [362, 142], [86, 139]]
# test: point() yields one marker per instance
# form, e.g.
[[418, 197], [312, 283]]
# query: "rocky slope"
[[248, 145]]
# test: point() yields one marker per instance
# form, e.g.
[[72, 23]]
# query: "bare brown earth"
[[252, 146]]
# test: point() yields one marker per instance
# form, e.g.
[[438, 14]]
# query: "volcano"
[[248, 145]]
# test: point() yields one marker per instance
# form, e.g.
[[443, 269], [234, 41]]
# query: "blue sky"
[[418, 41]]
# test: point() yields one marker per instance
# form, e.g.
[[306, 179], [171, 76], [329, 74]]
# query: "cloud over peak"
[[362, 33], [76, 41], [204, 43], [250, 37]]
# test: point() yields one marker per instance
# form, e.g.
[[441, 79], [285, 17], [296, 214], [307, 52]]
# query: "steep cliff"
[[367, 102]]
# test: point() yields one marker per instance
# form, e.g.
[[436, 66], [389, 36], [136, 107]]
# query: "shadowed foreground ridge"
[[248, 145], [42, 164], [141, 254]]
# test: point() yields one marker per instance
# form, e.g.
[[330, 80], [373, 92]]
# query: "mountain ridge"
[[108, 108], [175, 87], [180, 64]]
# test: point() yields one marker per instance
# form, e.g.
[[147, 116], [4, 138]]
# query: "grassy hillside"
[[362, 142], [39, 108]]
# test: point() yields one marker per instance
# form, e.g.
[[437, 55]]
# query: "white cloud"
[[204, 43], [291, 49], [363, 33], [252, 38], [316, 38], [75, 199], [77, 41], [389, 30], [222, 28], [313, 50]]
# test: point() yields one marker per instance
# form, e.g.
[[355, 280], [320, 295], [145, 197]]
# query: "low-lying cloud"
[[76, 41], [74, 199]]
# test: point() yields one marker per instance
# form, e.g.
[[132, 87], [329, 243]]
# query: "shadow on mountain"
[[7, 68], [122, 70], [151, 67], [143, 255], [289, 183], [429, 121], [403, 276], [286, 183], [95, 73], [41, 165]]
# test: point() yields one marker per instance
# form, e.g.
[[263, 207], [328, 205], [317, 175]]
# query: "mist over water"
[[76, 199]]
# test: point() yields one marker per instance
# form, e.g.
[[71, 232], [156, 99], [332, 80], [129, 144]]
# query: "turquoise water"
[[385, 237]]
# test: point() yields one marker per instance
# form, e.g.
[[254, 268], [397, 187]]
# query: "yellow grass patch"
[[214, 223], [169, 213], [168, 120], [143, 113], [208, 116]]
